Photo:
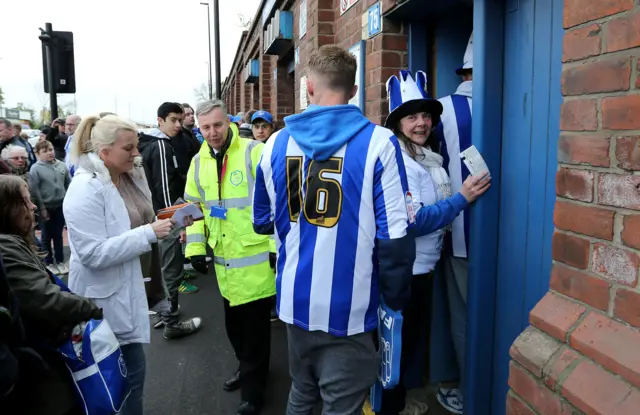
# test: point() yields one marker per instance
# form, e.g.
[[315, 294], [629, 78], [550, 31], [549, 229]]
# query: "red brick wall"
[[581, 351], [385, 55], [320, 31], [266, 82]]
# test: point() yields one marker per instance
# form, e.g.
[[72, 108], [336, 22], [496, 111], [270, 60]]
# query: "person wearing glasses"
[[70, 128]]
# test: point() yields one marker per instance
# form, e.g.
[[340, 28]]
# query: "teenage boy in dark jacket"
[[166, 153]]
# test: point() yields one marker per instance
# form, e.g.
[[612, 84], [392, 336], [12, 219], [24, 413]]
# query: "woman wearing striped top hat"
[[413, 115]]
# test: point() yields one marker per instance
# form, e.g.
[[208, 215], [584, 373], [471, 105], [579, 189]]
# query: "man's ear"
[[310, 88], [160, 121], [354, 91]]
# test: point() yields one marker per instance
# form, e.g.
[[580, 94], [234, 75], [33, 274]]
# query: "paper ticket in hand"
[[187, 210], [474, 162]]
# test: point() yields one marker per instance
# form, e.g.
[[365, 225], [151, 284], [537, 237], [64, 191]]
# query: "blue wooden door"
[[530, 127]]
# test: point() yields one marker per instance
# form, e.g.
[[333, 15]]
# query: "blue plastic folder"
[[390, 338]]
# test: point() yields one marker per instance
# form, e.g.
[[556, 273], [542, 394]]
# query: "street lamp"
[[209, 36]]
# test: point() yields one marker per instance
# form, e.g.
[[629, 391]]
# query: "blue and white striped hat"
[[409, 96], [467, 60]]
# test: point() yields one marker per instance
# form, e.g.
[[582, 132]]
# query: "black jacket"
[[245, 131], [59, 141], [48, 315], [166, 163], [11, 336]]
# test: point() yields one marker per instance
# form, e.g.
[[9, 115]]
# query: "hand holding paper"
[[479, 180], [186, 215]]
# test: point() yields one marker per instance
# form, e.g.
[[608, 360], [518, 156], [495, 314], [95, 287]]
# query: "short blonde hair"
[[336, 65], [95, 133]]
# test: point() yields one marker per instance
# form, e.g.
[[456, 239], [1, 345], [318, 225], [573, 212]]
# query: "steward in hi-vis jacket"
[[221, 179]]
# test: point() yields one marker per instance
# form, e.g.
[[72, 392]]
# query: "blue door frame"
[[516, 87], [515, 126]]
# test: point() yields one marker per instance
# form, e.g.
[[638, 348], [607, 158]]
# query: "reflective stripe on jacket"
[[241, 256]]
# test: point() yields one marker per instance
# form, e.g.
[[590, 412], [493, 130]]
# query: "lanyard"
[[221, 177]]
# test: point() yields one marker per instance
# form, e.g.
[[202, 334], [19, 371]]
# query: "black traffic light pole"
[[47, 39], [216, 22]]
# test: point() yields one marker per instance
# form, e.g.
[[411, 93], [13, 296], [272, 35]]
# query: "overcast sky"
[[135, 54]]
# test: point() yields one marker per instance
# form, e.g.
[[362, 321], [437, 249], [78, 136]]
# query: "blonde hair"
[[336, 65], [96, 133]]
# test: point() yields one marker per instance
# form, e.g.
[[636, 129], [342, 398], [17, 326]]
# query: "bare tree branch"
[[245, 21], [201, 92]]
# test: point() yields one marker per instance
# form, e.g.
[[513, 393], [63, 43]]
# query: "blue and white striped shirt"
[[456, 137], [328, 215]]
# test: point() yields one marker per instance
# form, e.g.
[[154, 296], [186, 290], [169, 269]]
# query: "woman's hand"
[[475, 186], [162, 228]]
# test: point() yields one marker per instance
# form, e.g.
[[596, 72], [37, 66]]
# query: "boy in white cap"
[[456, 137]]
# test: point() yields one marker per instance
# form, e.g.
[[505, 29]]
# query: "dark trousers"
[[249, 331], [172, 267], [52, 231], [415, 321]]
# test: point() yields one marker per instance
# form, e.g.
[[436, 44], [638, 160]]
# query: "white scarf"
[[432, 162]]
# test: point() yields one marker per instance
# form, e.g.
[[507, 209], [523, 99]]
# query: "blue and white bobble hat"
[[467, 60], [408, 96]]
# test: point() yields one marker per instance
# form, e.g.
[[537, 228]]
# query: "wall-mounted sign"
[[304, 98], [358, 51], [275, 76], [278, 35], [296, 55], [374, 20], [302, 26], [346, 5], [12, 114]]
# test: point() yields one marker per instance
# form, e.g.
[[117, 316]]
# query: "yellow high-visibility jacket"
[[241, 256]]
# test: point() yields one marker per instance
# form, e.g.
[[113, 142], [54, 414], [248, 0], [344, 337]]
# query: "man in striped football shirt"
[[332, 187]]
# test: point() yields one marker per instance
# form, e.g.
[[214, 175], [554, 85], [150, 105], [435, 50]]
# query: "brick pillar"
[[238, 96], [245, 98], [386, 55], [581, 351], [285, 92], [321, 16], [266, 82]]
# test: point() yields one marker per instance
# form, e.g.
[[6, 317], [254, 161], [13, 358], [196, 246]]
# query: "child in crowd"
[[51, 177]]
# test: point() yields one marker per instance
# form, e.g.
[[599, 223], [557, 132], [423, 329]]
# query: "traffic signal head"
[[64, 76]]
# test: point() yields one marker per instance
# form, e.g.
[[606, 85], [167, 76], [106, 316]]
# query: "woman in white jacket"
[[412, 118], [105, 250]]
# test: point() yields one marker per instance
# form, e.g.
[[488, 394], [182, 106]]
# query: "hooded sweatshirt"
[[320, 133], [51, 180], [166, 163]]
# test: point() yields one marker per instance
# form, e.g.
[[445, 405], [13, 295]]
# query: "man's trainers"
[[155, 320], [63, 268], [186, 288], [182, 328], [451, 400], [190, 275]]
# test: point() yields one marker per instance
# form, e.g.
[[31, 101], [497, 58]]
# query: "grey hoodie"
[[51, 180]]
